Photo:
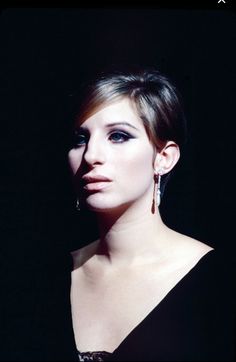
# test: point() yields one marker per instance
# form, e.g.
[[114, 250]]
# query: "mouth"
[[95, 183]]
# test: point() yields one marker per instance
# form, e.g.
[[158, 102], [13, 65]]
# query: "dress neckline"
[[158, 306]]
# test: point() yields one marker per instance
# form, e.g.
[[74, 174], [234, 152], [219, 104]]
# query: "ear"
[[167, 158]]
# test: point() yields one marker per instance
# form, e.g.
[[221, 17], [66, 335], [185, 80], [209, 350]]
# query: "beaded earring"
[[158, 180]]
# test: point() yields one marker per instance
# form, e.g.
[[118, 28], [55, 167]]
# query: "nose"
[[94, 152]]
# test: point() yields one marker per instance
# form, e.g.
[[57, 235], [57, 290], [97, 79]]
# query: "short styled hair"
[[158, 103]]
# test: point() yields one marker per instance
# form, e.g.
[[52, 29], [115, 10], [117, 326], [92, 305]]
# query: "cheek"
[[74, 159], [136, 166]]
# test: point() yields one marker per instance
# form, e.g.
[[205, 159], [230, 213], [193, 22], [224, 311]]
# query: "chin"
[[97, 203], [95, 207], [104, 206]]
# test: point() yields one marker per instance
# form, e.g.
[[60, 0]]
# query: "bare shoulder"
[[80, 256], [188, 248]]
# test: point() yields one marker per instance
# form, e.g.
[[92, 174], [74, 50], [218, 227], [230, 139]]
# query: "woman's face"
[[112, 159]]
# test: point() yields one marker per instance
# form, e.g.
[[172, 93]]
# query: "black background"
[[45, 54]]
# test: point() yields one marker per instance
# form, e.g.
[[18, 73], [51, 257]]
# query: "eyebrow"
[[121, 124], [84, 128]]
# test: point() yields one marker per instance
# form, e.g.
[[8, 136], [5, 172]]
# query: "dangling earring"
[[77, 205], [159, 188]]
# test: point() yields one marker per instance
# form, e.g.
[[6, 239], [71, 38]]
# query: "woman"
[[135, 291]]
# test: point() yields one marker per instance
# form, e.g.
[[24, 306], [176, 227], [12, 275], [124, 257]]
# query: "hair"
[[157, 101]]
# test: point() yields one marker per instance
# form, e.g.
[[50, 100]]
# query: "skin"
[[124, 206], [137, 254]]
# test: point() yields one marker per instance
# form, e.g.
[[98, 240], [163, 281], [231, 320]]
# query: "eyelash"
[[84, 137], [126, 136]]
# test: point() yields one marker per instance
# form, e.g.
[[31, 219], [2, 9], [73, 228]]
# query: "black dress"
[[194, 322]]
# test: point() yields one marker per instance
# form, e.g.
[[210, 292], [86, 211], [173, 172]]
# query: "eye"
[[119, 137], [79, 139]]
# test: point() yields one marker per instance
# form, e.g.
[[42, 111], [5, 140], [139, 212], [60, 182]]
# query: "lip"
[[95, 182], [96, 186], [90, 178]]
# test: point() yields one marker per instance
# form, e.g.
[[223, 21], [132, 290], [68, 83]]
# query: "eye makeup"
[[116, 135], [119, 136]]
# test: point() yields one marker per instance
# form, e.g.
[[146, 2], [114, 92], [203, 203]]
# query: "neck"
[[132, 236]]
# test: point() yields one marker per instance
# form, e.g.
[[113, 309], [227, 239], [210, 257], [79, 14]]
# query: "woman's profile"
[[141, 290]]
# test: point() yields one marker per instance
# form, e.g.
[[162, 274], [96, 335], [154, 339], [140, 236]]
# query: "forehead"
[[122, 110]]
